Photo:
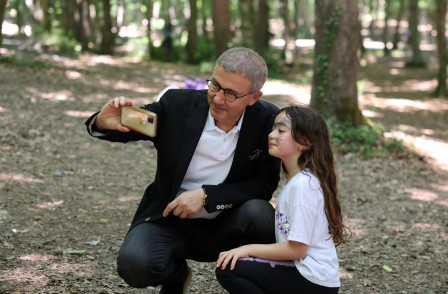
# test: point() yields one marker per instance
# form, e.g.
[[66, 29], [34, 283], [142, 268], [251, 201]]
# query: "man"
[[214, 174]]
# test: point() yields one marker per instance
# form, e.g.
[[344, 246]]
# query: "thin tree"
[[107, 36], [192, 27], [386, 27], [261, 34], [439, 16], [45, 5], [288, 50], [19, 6], [414, 19], [221, 23], [148, 27], [247, 15], [400, 12], [2, 13], [206, 6], [334, 90]]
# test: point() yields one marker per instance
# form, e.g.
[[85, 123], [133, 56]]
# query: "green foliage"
[[205, 50], [273, 57], [56, 41], [332, 26], [307, 78], [139, 47], [206, 67], [321, 73], [166, 55], [365, 140], [25, 61]]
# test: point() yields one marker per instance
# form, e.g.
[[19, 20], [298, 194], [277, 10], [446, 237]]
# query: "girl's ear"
[[305, 147]]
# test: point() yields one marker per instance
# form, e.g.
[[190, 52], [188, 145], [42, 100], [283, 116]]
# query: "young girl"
[[308, 217]]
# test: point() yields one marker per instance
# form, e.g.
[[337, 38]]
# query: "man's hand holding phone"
[[109, 117]]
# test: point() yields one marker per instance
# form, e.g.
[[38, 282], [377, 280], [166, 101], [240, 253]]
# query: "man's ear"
[[255, 97]]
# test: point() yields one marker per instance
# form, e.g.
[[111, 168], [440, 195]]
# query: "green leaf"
[[77, 252], [387, 269]]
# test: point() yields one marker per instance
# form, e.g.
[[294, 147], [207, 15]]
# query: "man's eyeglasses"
[[228, 94]]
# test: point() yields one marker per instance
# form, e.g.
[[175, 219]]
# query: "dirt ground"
[[66, 200]]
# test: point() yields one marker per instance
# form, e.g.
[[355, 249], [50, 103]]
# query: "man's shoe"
[[178, 288]]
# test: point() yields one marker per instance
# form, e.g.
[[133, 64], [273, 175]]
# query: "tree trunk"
[[386, 27], [334, 90], [45, 5], [373, 10], [148, 27], [68, 18], [107, 38], [2, 14], [261, 34], [439, 17], [296, 17], [19, 6], [246, 10], [288, 50], [203, 17], [221, 23], [167, 43], [305, 22], [362, 49], [192, 42], [414, 17], [398, 17]]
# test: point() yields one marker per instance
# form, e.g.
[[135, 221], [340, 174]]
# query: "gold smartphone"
[[139, 120]]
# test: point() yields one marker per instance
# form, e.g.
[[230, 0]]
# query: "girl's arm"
[[278, 251]]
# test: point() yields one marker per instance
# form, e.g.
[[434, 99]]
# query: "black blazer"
[[181, 118]]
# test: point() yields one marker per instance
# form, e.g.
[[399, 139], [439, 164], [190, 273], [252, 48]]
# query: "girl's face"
[[281, 142]]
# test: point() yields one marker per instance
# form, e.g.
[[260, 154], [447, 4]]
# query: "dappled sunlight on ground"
[[422, 195], [431, 228], [78, 269], [19, 178], [76, 113], [36, 258], [357, 226], [344, 274], [50, 205], [63, 95], [129, 199], [405, 105], [26, 279], [73, 75], [434, 149], [284, 94]]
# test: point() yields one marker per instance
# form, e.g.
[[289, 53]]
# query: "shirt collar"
[[210, 124]]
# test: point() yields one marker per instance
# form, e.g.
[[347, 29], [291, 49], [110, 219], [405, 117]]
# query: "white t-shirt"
[[300, 217]]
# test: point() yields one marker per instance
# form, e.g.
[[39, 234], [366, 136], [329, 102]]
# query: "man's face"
[[225, 113]]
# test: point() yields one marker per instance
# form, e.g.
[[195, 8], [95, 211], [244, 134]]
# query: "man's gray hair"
[[247, 63]]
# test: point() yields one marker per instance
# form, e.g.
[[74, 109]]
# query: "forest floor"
[[66, 199]]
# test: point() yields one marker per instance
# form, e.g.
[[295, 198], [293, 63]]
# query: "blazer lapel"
[[248, 135]]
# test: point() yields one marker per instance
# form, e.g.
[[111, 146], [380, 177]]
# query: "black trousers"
[[261, 276], [155, 253]]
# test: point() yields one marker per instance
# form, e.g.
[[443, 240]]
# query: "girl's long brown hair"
[[309, 129]]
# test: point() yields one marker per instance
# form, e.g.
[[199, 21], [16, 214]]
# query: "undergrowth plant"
[[367, 140]]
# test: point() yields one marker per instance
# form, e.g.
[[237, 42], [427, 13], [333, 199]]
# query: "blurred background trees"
[[333, 34]]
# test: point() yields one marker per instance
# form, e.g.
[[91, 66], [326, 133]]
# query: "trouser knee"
[[258, 217], [139, 272]]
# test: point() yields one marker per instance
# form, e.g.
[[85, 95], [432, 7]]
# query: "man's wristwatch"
[[204, 198]]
